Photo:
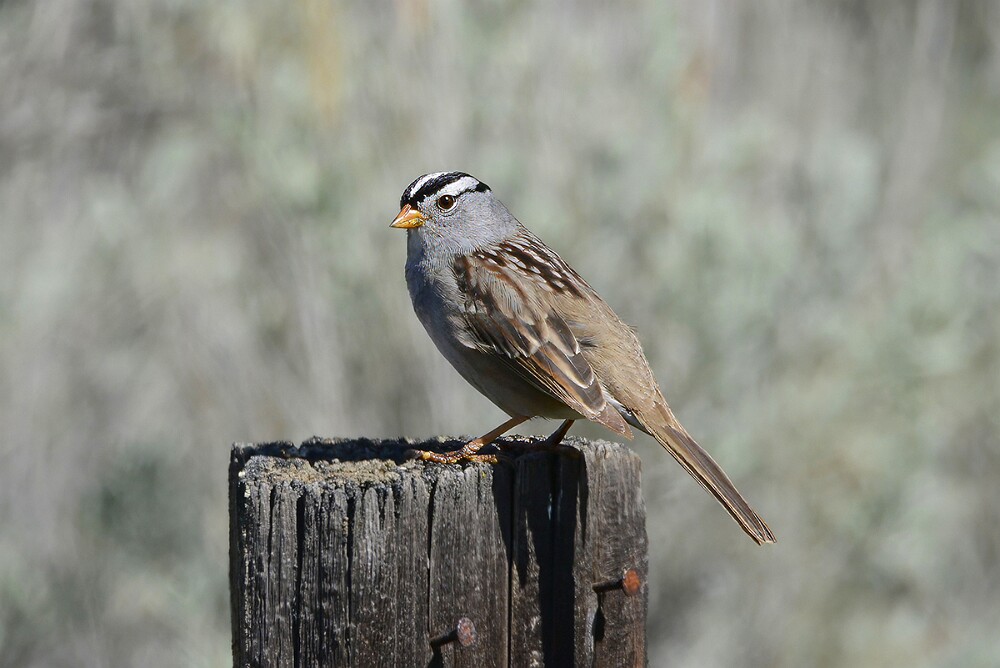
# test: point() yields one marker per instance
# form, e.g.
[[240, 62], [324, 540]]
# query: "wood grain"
[[345, 553]]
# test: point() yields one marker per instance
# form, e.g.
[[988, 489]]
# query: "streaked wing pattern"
[[537, 341]]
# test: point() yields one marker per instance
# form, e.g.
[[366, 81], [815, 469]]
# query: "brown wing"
[[611, 352], [506, 318]]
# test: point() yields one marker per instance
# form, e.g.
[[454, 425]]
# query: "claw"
[[458, 456], [438, 457], [468, 451]]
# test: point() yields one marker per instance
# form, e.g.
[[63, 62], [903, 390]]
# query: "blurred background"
[[796, 203]]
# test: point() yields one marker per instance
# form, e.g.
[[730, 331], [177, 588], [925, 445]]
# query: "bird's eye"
[[445, 202]]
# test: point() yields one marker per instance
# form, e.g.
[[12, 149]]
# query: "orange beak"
[[408, 218]]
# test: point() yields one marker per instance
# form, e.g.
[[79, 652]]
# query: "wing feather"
[[505, 319]]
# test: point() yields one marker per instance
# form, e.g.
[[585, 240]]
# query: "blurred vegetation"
[[796, 203]]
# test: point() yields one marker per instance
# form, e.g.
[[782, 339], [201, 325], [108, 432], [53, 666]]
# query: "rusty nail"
[[629, 582], [464, 634]]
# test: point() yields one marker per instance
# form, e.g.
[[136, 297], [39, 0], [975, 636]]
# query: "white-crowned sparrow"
[[528, 332]]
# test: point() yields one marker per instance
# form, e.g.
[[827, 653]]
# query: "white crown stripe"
[[456, 187], [440, 183], [419, 183]]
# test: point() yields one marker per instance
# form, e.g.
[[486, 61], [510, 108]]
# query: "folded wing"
[[505, 320]]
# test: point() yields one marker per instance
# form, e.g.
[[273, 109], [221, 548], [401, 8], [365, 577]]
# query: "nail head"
[[465, 632], [631, 583]]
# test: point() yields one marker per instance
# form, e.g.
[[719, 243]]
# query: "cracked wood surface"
[[344, 553]]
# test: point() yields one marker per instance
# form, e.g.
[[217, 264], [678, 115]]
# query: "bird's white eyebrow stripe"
[[440, 183], [455, 188], [416, 185]]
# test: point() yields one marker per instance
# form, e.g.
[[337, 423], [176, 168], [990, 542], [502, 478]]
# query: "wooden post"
[[344, 553]]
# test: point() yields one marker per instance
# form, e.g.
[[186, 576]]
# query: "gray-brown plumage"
[[529, 333]]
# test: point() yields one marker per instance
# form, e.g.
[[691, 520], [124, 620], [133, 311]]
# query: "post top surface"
[[374, 461]]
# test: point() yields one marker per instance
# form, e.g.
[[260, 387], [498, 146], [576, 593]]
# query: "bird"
[[528, 332]]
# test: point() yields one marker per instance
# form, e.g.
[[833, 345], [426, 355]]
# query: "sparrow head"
[[453, 210]]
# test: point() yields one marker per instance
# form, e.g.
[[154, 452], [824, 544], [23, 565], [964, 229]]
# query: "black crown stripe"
[[435, 184]]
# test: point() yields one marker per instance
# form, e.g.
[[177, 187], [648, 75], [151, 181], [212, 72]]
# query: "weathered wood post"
[[344, 553]]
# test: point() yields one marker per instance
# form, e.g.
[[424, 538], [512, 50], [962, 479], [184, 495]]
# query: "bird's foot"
[[467, 453]]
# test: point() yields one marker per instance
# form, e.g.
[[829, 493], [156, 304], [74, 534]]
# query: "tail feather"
[[700, 465]]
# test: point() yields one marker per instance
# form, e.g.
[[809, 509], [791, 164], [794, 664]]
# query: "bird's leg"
[[468, 451], [553, 441]]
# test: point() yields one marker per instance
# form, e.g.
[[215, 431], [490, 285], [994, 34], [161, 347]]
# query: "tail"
[[672, 436]]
